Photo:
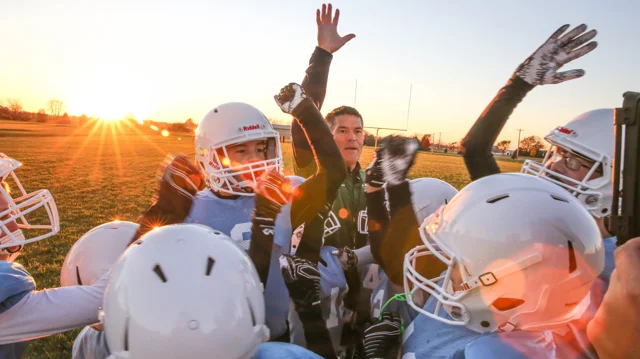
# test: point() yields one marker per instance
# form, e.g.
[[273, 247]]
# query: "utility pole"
[[439, 138], [518, 144], [355, 94], [409, 107]]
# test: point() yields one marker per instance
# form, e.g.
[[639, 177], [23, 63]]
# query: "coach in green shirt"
[[346, 125]]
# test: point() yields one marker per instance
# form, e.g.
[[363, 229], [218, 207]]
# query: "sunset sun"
[[111, 93]]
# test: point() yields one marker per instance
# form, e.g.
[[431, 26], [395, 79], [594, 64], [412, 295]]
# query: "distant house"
[[284, 131]]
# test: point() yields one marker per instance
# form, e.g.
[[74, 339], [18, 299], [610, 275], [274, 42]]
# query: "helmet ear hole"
[[504, 304]]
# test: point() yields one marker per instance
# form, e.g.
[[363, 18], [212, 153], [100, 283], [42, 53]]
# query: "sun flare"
[[111, 93]]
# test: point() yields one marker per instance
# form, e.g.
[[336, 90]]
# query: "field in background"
[[106, 171]]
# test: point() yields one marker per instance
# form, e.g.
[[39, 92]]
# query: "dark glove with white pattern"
[[541, 68], [302, 279]]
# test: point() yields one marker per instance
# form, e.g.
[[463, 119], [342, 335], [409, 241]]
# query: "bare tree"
[[55, 107], [15, 107]]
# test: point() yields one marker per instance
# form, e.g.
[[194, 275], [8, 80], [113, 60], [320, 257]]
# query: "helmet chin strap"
[[242, 185]]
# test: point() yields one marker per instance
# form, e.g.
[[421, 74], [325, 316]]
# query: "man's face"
[[571, 165], [349, 136]]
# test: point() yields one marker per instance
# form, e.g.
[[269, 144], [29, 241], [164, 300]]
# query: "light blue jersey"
[[15, 283], [90, 344], [370, 275], [429, 338], [233, 218], [383, 300], [333, 288]]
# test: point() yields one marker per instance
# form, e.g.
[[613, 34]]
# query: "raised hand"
[[375, 178], [302, 279], [396, 158], [179, 180], [541, 68], [181, 175], [347, 257], [290, 97], [328, 38], [272, 192], [381, 336]]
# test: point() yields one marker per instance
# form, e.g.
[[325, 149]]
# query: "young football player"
[[520, 257], [26, 313], [581, 156]]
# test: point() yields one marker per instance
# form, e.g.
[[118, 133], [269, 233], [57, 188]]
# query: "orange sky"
[[172, 60]]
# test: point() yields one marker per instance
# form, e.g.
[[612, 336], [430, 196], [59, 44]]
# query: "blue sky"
[[171, 60]]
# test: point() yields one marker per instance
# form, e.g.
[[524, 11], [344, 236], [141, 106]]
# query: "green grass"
[[106, 171]]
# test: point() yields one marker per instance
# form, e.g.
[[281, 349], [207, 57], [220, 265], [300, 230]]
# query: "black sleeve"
[[311, 241], [261, 246], [315, 85], [322, 187], [403, 232], [316, 333], [165, 210], [377, 224], [476, 145], [402, 236]]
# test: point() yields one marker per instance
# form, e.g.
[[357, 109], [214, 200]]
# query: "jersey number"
[[241, 232], [377, 303], [335, 309], [372, 279]]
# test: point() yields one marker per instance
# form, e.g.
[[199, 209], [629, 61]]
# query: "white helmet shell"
[[520, 252], [184, 291], [95, 252], [589, 135], [231, 124]]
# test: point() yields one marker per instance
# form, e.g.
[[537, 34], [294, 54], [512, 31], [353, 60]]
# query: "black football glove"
[[382, 335], [303, 281]]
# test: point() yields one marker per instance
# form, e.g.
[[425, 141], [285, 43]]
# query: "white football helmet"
[[24, 217], [184, 291], [427, 195], [521, 253], [95, 252], [231, 124], [590, 136]]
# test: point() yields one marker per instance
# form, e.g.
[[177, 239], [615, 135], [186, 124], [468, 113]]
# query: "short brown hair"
[[342, 110]]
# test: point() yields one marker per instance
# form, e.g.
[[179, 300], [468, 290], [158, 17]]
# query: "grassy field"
[[106, 171]]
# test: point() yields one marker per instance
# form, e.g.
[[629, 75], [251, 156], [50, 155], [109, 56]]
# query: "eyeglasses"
[[572, 162]]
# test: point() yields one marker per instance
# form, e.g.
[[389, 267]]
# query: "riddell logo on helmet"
[[251, 127], [567, 131]]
